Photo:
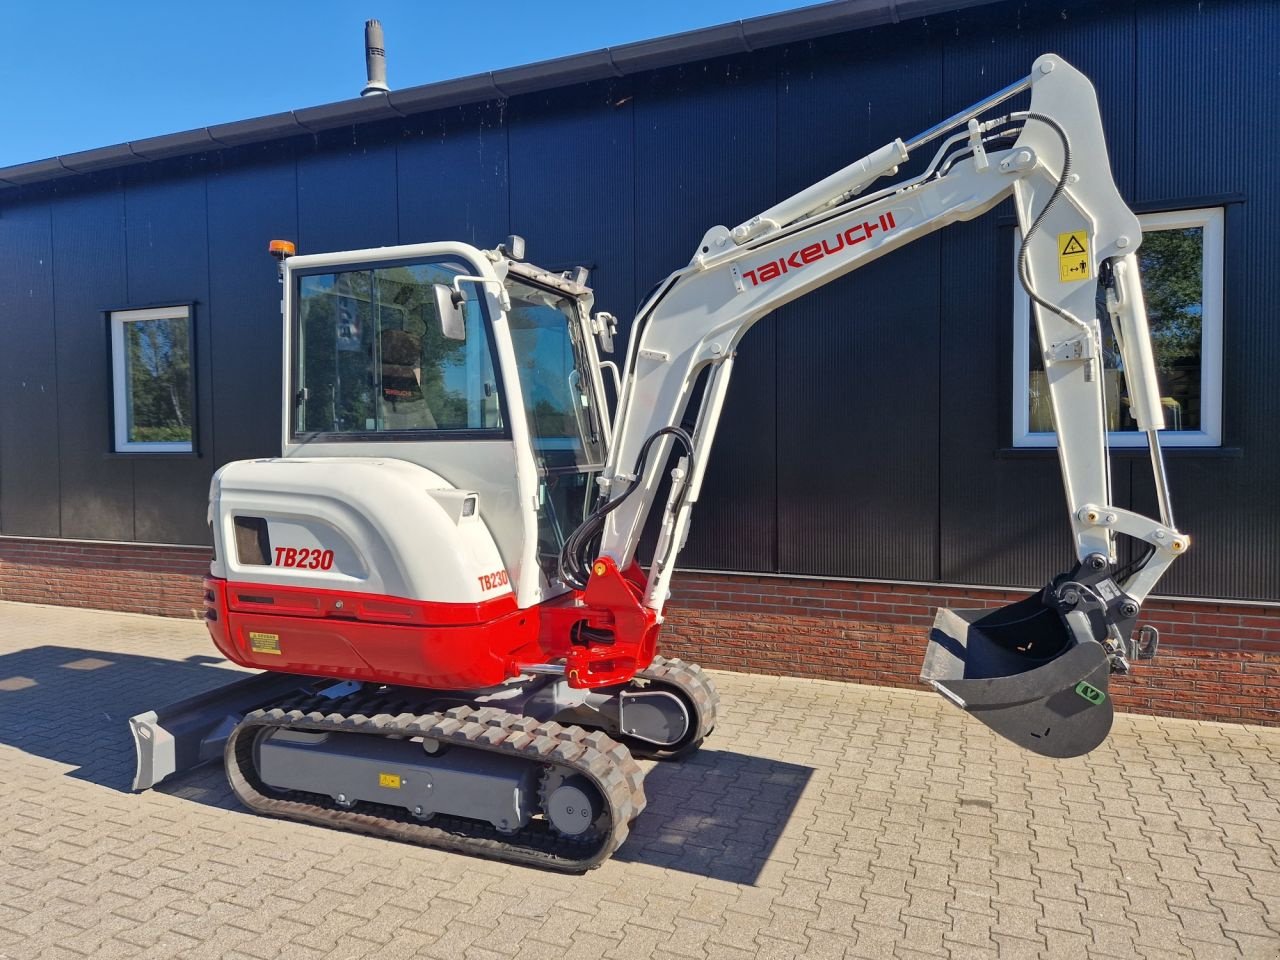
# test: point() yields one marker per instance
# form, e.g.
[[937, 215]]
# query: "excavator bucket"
[[1021, 671]]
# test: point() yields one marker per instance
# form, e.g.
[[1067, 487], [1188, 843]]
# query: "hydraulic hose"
[[1023, 276], [574, 564]]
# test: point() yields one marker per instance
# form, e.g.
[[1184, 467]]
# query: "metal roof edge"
[[739, 36], [257, 130]]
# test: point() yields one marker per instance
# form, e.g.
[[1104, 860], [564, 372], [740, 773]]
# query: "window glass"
[[372, 356], [1181, 264], [152, 380], [546, 335], [563, 412]]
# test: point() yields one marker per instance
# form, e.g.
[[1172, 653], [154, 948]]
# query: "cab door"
[[563, 404]]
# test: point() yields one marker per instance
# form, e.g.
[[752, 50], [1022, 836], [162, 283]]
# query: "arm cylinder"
[[1128, 310], [1129, 315]]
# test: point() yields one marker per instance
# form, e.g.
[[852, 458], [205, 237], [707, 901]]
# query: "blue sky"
[[127, 70]]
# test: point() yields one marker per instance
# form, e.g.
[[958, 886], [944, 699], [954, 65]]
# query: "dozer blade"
[[182, 735], [1020, 671]]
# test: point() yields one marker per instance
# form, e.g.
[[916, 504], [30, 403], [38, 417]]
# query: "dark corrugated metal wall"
[[858, 359], [705, 150], [1215, 69], [96, 499], [29, 494], [247, 201], [866, 429]]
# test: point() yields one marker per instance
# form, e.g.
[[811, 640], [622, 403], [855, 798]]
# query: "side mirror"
[[604, 326], [449, 308]]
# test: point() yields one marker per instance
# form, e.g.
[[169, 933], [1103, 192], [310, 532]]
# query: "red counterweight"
[[604, 634]]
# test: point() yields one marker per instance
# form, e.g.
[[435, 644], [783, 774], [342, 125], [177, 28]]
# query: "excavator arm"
[[1075, 231]]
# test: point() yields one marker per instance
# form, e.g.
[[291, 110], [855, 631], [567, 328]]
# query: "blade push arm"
[[1056, 169]]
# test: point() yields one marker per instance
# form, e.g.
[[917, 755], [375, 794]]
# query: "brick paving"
[[820, 820]]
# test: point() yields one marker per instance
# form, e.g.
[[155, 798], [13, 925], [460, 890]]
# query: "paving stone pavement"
[[821, 820]]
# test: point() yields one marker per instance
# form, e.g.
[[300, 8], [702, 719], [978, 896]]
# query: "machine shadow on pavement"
[[72, 705], [717, 814]]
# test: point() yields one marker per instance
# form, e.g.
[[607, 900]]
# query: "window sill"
[[1128, 453], [144, 455], [400, 436]]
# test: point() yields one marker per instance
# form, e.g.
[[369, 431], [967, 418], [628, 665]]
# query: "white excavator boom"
[[1076, 231], [1072, 220]]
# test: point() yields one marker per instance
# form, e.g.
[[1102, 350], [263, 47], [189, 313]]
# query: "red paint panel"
[[392, 640], [370, 638], [371, 607]]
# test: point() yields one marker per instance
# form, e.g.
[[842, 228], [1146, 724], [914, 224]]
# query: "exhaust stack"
[[375, 59]]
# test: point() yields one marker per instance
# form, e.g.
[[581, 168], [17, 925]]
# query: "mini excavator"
[[439, 576]]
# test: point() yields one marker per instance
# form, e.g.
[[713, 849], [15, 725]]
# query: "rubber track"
[[593, 754], [694, 683]]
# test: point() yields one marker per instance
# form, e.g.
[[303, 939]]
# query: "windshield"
[[546, 335], [562, 410]]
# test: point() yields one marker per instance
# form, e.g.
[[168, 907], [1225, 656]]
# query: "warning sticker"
[[265, 643], [1073, 256], [391, 780]]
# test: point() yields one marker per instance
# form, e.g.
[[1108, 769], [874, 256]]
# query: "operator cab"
[[469, 363]]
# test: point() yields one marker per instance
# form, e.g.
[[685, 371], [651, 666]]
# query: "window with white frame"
[[1181, 264], [152, 380]]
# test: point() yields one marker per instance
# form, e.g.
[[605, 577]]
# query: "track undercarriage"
[[531, 772]]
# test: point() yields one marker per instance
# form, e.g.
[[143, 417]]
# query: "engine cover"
[[379, 526], [361, 568]]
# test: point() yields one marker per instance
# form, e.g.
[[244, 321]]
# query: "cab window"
[[372, 357], [563, 412]]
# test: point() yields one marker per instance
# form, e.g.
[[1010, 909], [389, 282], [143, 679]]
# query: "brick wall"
[[135, 578], [1217, 660]]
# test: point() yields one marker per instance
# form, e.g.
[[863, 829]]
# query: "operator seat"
[[403, 403]]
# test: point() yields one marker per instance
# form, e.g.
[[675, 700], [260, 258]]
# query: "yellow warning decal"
[[1073, 256], [265, 643], [391, 780]]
